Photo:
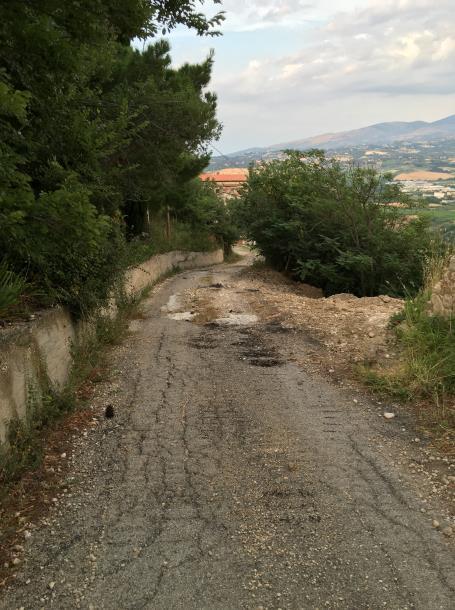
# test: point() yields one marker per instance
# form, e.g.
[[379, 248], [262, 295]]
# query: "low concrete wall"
[[140, 277], [27, 352], [43, 346], [442, 302]]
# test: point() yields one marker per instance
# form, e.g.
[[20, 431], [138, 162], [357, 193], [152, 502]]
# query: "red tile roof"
[[224, 177]]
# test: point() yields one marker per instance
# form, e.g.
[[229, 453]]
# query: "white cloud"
[[415, 54], [445, 49], [262, 14], [301, 67]]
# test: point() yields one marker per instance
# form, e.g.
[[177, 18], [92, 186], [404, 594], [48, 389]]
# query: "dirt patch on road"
[[343, 330]]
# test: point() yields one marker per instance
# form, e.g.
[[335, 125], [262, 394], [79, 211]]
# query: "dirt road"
[[230, 478]]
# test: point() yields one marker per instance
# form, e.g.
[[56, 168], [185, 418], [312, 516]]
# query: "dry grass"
[[424, 175]]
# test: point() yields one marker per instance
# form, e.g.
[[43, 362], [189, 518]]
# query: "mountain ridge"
[[377, 134]]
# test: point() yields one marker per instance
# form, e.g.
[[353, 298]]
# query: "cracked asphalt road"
[[230, 479]]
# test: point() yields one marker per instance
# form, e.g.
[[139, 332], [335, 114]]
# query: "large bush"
[[202, 206], [330, 226], [69, 252], [95, 136]]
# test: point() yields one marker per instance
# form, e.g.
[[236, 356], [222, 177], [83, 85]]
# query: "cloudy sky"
[[288, 69]]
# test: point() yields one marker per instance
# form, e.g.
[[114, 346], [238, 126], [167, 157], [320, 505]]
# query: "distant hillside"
[[381, 134]]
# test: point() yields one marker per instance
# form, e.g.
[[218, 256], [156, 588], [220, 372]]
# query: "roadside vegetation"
[[424, 372], [101, 144], [331, 227], [441, 219], [46, 407]]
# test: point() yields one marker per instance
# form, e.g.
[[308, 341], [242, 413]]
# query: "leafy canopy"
[[331, 227], [96, 138]]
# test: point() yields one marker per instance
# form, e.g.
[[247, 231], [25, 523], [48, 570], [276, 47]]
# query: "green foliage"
[[71, 252], [331, 228], [12, 286], [203, 207], [428, 344], [25, 437], [425, 372], [182, 237], [198, 220], [95, 137], [174, 120]]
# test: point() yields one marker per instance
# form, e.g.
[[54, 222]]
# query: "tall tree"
[[88, 122]]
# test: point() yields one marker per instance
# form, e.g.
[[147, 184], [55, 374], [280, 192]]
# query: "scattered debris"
[[109, 412]]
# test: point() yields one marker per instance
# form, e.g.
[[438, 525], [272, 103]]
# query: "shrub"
[[425, 372], [183, 236], [428, 344], [71, 252], [204, 209], [331, 227], [12, 287]]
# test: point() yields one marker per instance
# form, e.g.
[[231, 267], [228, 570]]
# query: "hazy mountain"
[[380, 134]]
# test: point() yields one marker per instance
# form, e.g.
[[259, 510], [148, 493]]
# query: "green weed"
[[46, 406], [425, 373], [183, 237], [12, 286], [24, 450]]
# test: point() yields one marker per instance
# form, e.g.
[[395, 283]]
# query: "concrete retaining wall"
[[442, 301], [140, 277], [43, 345]]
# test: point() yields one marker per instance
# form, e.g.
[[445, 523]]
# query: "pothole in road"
[[172, 305], [172, 309], [266, 362], [215, 286], [277, 327], [256, 352], [204, 342]]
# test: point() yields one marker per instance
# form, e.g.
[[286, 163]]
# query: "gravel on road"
[[229, 477]]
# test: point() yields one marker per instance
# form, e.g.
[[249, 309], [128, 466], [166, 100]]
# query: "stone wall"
[[442, 301], [43, 346]]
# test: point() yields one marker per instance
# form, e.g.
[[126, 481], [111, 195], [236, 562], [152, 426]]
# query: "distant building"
[[229, 180]]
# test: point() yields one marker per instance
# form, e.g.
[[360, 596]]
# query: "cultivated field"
[[424, 175]]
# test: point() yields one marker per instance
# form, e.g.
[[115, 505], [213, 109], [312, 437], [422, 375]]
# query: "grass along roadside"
[[424, 373], [46, 407], [182, 237]]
